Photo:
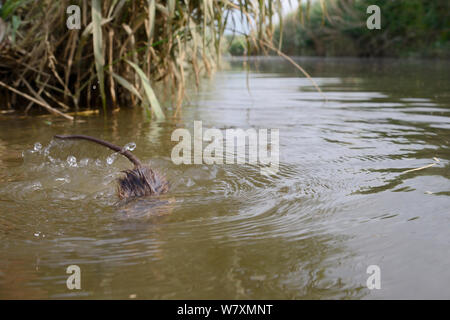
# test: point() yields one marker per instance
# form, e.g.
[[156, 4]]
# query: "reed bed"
[[121, 51]]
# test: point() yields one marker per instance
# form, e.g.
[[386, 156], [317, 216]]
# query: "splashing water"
[[110, 160], [130, 146], [339, 202], [84, 162], [37, 147], [71, 161], [47, 148]]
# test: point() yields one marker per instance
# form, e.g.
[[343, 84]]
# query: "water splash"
[[130, 146], [110, 160], [37, 147], [39, 150], [72, 161], [84, 162], [47, 148]]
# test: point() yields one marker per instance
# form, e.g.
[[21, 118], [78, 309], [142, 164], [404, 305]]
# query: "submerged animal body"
[[141, 181], [138, 182]]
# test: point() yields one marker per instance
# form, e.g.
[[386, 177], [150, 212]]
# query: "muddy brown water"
[[340, 202]]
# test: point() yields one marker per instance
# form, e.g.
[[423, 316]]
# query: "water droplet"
[[72, 161], [98, 162], [130, 146], [35, 186], [37, 146], [65, 180], [84, 162], [47, 148], [111, 158], [190, 183]]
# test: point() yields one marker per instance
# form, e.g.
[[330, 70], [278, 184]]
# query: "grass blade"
[[127, 85], [149, 92], [151, 18], [98, 47]]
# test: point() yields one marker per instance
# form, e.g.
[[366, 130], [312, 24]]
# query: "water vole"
[[139, 181]]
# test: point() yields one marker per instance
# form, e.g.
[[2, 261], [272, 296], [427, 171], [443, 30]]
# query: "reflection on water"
[[340, 202]]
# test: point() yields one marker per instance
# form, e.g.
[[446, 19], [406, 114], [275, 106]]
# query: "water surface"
[[340, 202]]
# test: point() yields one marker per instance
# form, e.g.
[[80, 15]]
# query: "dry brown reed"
[[122, 49]]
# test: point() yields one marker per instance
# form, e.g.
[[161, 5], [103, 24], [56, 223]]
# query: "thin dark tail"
[[126, 153]]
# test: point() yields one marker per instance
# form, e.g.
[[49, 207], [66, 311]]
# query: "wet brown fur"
[[141, 181], [138, 182]]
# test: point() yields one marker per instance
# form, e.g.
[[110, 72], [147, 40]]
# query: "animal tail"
[[126, 153]]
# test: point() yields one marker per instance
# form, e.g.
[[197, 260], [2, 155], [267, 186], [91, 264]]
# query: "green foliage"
[[7, 11], [237, 46], [10, 6], [408, 28]]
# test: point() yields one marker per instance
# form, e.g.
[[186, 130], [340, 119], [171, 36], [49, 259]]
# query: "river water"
[[340, 202]]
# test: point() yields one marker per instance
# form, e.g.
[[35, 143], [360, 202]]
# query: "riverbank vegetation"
[[409, 28], [121, 52]]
